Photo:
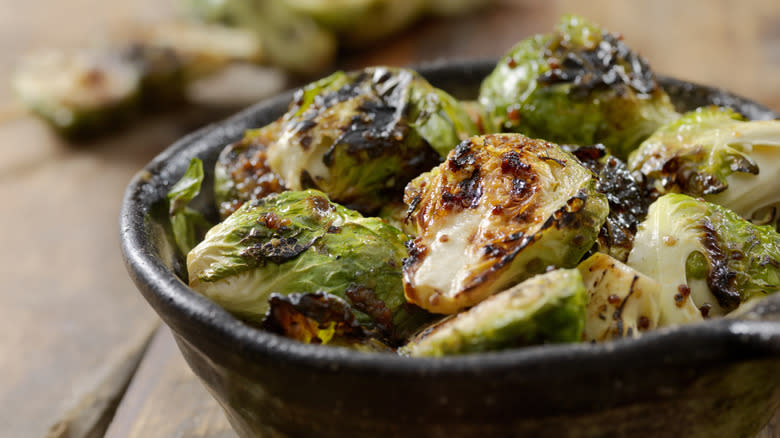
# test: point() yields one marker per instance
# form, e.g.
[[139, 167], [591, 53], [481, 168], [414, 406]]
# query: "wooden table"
[[74, 330]]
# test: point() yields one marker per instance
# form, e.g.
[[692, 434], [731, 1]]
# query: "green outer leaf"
[[187, 188], [188, 225], [548, 308]]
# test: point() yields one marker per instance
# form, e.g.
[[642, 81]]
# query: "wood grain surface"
[[73, 326]]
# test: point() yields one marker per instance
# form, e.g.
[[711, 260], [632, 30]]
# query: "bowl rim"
[[184, 310]]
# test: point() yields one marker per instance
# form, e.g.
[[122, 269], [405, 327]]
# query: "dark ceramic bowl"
[[720, 378]]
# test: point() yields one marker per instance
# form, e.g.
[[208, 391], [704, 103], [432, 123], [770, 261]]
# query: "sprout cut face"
[[621, 301], [706, 258], [301, 243], [499, 210], [579, 84], [360, 137]]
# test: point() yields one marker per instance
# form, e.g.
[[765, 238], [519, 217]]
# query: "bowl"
[[718, 378]]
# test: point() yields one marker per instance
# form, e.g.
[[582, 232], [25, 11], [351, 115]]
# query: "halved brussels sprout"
[[713, 152], [499, 210], [548, 308], [579, 84], [621, 301], [300, 242], [706, 258], [242, 172], [79, 94], [361, 136], [628, 200]]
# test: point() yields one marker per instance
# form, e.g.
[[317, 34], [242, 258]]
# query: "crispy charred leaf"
[[621, 301], [499, 210], [361, 136], [578, 84], [547, 308], [706, 258], [713, 152], [311, 317], [300, 242], [628, 200], [188, 225], [242, 172]]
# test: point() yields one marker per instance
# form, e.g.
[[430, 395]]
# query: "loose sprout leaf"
[[500, 209], [713, 152], [187, 188], [628, 200], [548, 308], [578, 84], [706, 258], [188, 225], [299, 242], [621, 301]]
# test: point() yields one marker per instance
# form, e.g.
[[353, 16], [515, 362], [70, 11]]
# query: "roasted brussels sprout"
[[548, 308], [81, 93], [358, 23], [361, 136], [300, 242], [242, 172], [621, 301], [289, 39], [499, 210], [628, 200], [88, 92], [713, 152], [579, 84], [706, 258]]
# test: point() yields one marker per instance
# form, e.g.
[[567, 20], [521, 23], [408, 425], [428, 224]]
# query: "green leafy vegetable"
[[188, 225]]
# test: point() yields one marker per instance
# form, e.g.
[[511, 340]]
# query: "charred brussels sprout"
[[713, 152], [361, 136], [499, 210], [706, 258], [621, 301], [548, 308], [242, 172], [301, 243], [627, 198], [579, 84]]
